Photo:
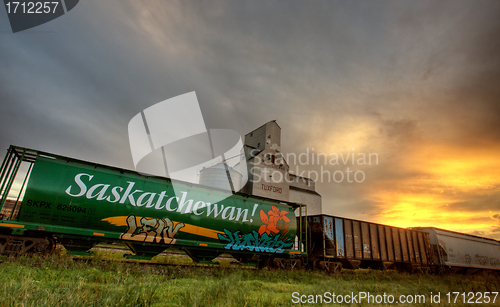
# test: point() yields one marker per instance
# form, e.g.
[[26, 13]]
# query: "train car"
[[464, 253], [47, 198], [336, 242]]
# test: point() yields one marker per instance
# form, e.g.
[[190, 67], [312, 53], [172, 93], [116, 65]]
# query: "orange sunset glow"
[[452, 188]]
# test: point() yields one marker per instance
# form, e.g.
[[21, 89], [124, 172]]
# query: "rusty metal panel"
[[339, 237], [390, 245], [316, 224], [410, 246], [404, 244], [383, 248], [349, 242], [315, 236], [374, 242], [397, 244], [329, 237], [421, 244], [415, 247], [365, 239], [358, 250]]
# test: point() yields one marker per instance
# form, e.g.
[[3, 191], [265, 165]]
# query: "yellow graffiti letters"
[[152, 230]]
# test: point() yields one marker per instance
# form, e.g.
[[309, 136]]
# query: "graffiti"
[[271, 237], [266, 243], [482, 260], [152, 230], [494, 262], [275, 222]]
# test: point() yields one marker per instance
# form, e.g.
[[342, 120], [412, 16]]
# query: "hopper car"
[[47, 199], [336, 242], [460, 252]]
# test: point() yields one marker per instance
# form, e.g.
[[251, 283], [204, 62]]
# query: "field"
[[60, 280]]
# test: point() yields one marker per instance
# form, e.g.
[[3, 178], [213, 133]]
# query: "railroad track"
[[165, 253], [159, 266]]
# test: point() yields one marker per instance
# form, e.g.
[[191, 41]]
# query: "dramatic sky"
[[415, 82]]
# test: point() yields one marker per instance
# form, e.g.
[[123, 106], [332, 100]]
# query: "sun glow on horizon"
[[452, 190]]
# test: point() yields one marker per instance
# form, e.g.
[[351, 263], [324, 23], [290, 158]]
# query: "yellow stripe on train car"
[[11, 225]]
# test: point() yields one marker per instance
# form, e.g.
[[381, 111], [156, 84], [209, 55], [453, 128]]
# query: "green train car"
[[46, 198]]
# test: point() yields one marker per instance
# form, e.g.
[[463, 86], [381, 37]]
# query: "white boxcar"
[[459, 250]]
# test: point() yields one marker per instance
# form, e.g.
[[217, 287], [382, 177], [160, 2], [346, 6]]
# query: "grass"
[[58, 280]]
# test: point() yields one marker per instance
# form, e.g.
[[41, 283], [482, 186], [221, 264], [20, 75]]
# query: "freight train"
[[48, 199]]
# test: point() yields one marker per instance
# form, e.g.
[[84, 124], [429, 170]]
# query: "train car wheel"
[[52, 246], [43, 246]]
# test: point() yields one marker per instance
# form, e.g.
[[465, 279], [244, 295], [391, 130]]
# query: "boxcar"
[[336, 242], [463, 252], [47, 198]]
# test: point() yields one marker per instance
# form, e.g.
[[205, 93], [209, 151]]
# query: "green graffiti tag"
[[254, 242]]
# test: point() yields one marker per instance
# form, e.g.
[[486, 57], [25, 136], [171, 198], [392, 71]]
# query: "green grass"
[[58, 280]]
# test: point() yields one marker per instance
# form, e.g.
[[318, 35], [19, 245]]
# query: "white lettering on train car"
[[139, 198]]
